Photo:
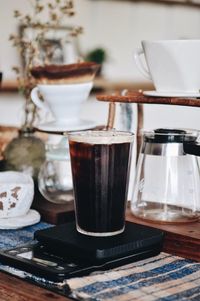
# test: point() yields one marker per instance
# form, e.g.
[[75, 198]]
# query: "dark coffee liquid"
[[100, 180]]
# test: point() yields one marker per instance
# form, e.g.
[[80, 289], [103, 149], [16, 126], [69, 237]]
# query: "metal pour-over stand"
[[184, 239]]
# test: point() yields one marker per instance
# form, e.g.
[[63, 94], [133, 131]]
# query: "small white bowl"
[[16, 193]]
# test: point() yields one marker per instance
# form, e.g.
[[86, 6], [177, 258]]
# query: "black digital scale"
[[60, 252]]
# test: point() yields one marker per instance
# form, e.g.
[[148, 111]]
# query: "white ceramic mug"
[[173, 65], [64, 101], [16, 193]]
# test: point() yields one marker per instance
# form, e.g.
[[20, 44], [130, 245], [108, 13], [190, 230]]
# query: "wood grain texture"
[[111, 116], [180, 239], [53, 213], [140, 124], [14, 289], [138, 97], [100, 84]]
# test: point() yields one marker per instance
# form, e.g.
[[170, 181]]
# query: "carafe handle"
[[192, 148]]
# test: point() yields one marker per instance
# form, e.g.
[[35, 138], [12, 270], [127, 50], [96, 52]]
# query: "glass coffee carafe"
[[167, 183], [55, 178]]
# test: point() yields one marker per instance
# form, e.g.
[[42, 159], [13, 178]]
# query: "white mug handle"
[[140, 64], [37, 101]]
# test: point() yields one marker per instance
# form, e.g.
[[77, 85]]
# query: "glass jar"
[[167, 183], [25, 153], [55, 178]]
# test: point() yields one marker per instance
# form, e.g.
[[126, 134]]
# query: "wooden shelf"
[[9, 86], [119, 85], [100, 83]]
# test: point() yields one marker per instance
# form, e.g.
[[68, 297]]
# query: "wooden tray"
[[180, 239], [53, 213]]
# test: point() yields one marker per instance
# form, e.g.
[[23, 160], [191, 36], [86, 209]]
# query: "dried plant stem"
[[32, 45]]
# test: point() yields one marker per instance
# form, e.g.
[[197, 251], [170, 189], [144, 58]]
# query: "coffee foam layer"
[[66, 73], [101, 137]]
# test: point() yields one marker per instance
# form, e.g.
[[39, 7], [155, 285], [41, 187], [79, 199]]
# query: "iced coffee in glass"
[[100, 163]]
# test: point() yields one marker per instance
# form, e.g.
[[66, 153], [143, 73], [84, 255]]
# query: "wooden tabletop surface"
[[15, 289], [182, 240]]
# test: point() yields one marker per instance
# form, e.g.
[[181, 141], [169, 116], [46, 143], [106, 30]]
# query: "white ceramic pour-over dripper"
[[63, 101], [172, 65]]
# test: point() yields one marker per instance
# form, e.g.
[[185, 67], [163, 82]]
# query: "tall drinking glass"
[[100, 163]]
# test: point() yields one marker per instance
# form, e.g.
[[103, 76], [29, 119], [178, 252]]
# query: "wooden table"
[[182, 240], [14, 289]]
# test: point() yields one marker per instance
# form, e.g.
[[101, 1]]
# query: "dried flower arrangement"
[[57, 12]]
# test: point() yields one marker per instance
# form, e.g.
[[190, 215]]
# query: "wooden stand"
[[139, 98], [180, 239], [51, 212]]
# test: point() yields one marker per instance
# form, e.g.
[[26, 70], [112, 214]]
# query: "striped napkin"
[[161, 278]]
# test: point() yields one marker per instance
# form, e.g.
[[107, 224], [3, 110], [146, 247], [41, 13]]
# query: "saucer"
[[11, 223], [170, 94], [64, 127]]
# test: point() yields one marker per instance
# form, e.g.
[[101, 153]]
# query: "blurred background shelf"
[[99, 84]]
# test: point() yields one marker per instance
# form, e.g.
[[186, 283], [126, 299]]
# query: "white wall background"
[[118, 26]]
